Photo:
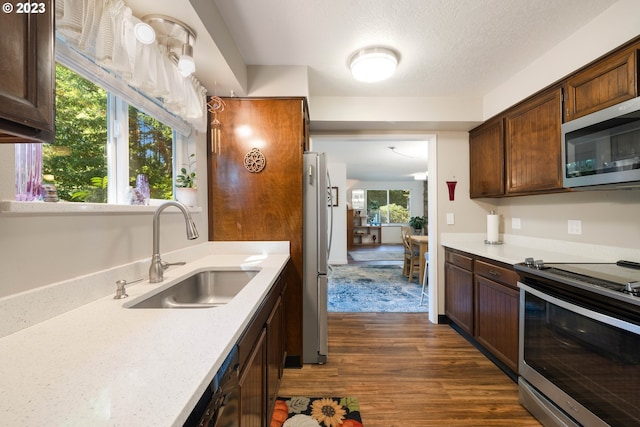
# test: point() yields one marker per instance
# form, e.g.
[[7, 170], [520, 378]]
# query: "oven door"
[[583, 360]]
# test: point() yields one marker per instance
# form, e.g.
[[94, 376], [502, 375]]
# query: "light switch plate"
[[574, 226], [450, 219], [516, 224]]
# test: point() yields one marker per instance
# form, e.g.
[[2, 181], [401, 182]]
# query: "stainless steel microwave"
[[602, 150]]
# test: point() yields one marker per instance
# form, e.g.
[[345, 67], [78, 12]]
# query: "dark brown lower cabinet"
[[482, 299], [496, 320], [459, 296], [252, 385], [458, 270], [261, 354], [275, 354]]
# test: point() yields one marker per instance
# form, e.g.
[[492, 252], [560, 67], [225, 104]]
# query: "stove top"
[[616, 280]]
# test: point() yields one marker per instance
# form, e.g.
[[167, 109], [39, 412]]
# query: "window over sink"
[[103, 143]]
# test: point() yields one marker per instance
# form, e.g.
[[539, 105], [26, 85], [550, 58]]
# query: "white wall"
[[338, 255], [610, 218], [39, 249], [452, 164], [278, 80], [429, 113]]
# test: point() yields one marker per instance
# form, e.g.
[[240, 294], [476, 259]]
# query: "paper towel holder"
[[489, 242]]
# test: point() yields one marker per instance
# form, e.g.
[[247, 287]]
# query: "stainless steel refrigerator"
[[316, 247]]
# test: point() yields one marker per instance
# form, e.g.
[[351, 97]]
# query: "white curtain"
[[102, 31]]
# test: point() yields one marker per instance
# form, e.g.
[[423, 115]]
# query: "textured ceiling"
[[447, 47]]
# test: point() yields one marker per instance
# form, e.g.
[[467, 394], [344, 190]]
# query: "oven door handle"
[[609, 320]]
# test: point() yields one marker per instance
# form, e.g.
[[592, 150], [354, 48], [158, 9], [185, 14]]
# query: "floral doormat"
[[316, 412]]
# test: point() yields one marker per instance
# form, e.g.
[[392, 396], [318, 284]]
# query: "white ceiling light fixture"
[[373, 64], [186, 64], [144, 33], [178, 38]]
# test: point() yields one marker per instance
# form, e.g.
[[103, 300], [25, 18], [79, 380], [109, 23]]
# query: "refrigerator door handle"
[[310, 174], [330, 225]]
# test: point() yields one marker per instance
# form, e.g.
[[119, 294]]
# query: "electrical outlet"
[[574, 226], [516, 224], [450, 219]]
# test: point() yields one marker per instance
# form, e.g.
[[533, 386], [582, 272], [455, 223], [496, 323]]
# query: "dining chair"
[[411, 255]]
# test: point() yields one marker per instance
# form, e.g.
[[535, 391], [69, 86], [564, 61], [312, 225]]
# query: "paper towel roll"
[[493, 220]]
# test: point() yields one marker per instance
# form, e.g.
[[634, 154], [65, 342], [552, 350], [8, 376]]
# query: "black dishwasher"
[[218, 406]]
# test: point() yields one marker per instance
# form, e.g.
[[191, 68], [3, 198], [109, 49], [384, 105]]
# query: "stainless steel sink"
[[211, 288]]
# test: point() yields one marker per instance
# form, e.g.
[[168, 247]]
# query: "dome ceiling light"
[[373, 64]]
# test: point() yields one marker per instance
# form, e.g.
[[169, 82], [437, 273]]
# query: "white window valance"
[[101, 32]]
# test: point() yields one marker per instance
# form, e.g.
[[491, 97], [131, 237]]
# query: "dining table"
[[422, 242]]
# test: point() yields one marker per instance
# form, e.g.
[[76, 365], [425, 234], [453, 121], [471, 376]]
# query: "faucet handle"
[[166, 265]]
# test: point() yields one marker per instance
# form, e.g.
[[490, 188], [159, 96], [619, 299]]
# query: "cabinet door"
[[275, 352], [486, 159], [459, 296], [606, 83], [264, 205], [28, 72], [496, 320], [533, 145], [251, 386]]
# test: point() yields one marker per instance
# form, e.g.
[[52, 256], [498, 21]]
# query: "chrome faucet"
[[156, 270]]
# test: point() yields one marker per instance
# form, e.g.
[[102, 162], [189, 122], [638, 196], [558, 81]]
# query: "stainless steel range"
[[580, 343]]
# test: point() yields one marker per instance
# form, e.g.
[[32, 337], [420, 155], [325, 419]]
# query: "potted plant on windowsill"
[[186, 185], [417, 223]]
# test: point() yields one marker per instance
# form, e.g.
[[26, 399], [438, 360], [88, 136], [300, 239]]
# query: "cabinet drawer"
[[460, 260], [504, 275]]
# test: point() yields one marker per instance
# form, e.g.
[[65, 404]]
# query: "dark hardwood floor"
[[408, 372]]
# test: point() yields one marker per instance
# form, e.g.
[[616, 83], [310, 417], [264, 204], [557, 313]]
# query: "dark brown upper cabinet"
[[601, 85], [533, 144], [486, 159], [27, 76]]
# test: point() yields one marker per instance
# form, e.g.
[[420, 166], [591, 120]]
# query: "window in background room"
[[393, 206]]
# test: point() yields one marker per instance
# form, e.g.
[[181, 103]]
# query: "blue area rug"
[[372, 289], [376, 255]]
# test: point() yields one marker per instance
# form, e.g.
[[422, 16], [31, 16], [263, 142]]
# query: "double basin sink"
[[204, 289]]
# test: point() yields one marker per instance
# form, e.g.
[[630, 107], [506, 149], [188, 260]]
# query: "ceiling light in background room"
[[373, 64], [178, 38]]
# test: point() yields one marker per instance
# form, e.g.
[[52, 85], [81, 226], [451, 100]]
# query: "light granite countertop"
[[100, 364], [515, 249]]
